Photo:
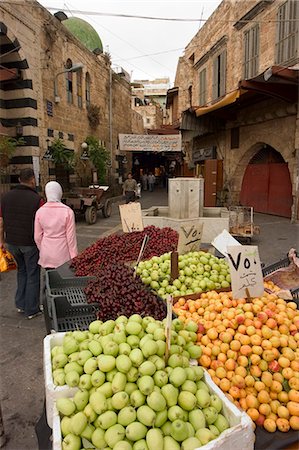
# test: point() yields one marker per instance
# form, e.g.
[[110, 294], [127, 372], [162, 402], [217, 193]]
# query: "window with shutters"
[[69, 81], [251, 52], [219, 75], [87, 89], [79, 88], [287, 32], [202, 87]]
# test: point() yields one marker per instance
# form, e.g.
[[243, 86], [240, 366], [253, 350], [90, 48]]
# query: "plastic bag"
[[7, 261]]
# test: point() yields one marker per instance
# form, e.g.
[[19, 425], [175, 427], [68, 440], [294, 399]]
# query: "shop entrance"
[[161, 164], [267, 184]]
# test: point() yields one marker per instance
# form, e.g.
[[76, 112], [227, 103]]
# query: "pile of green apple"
[[128, 398], [198, 272]]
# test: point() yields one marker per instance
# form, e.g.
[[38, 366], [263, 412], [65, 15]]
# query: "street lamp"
[[84, 154], [74, 68]]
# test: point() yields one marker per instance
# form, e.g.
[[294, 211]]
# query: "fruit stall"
[[230, 371]]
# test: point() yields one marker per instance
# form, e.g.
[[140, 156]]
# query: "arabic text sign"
[[150, 142], [131, 218], [246, 272], [190, 237]]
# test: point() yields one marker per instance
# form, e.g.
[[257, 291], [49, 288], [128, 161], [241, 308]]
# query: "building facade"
[[54, 87], [149, 100], [236, 103]]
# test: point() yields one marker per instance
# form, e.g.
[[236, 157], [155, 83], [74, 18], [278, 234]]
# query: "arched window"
[[79, 88], [69, 81], [87, 89]]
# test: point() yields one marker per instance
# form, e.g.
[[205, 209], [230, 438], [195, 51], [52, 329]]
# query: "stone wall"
[[47, 45]]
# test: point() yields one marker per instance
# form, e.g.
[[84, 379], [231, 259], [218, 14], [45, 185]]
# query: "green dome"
[[84, 32]]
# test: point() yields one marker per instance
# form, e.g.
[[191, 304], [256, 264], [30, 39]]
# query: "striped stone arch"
[[18, 101]]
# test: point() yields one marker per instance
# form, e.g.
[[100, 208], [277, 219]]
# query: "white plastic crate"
[[52, 391], [241, 431]]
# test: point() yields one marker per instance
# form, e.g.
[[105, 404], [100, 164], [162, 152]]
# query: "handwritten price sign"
[[131, 217], [246, 272], [190, 237]]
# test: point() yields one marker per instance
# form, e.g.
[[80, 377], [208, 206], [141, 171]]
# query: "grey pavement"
[[21, 341]]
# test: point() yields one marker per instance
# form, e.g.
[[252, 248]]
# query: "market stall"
[[248, 348]]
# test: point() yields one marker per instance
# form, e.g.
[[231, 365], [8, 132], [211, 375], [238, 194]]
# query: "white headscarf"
[[53, 191]]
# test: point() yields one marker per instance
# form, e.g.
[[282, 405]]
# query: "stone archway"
[[19, 104], [266, 182]]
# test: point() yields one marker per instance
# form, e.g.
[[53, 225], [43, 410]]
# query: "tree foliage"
[[98, 155]]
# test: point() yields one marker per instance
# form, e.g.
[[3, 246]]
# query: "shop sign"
[[190, 237], [202, 154], [150, 142], [131, 217], [246, 272]]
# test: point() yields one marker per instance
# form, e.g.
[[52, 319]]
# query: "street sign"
[[246, 272], [131, 217]]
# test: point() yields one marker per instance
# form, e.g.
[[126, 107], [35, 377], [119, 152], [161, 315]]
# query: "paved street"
[[22, 390]]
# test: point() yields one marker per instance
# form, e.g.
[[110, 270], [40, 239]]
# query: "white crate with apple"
[[241, 427], [52, 391]]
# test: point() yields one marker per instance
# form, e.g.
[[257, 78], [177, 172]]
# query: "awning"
[[276, 81], [228, 99]]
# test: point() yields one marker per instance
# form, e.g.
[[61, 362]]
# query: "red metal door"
[[267, 187]]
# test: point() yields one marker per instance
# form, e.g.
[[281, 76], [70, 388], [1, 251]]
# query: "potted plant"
[[61, 155]]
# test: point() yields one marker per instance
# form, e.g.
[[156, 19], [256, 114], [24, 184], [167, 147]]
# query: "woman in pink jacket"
[[54, 229]]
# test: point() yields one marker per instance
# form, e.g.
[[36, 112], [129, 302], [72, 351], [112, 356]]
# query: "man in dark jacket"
[[18, 208]]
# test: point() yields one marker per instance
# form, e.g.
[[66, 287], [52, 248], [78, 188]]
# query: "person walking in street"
[[55, 230], [151, 181], [18, 209], [144, 180], [130, 189]]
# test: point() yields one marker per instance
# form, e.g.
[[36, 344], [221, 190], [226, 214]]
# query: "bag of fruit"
[[7, 261]]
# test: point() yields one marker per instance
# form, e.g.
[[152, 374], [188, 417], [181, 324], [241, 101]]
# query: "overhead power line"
[[168, 19]]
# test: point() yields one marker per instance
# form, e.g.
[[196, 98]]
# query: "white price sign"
[[131, 217], [246, 272], [190, 237]]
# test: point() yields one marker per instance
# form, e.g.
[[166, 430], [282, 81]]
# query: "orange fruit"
[[283, 425], [269, 425]]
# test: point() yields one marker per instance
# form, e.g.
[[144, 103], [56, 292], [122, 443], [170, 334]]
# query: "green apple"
[[179, 430], [136, 431], [78, 423], [71, 442], [170, 443], [81, 399], [146, 415], [126, 416], [65, 406], [107, 419]]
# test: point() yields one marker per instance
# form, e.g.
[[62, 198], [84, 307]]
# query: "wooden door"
[[210, 177]]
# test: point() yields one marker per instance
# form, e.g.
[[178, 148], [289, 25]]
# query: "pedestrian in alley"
[[151, 181], [130, 188], [144, 181], [18, 209], [55, 230]]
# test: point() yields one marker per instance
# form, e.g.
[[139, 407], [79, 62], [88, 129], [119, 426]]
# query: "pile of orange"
[[251, 350]]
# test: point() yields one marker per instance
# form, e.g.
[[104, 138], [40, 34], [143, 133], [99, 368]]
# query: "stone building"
[[57, 86], [149, 100], [236, 103]]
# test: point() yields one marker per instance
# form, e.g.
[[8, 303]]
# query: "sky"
[[146, 49]]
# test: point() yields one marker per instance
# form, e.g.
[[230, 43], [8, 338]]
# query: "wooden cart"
[[90, 200]]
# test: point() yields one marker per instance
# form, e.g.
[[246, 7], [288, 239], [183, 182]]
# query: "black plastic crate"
[[73, 323], [275, 266], [71, 288]]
